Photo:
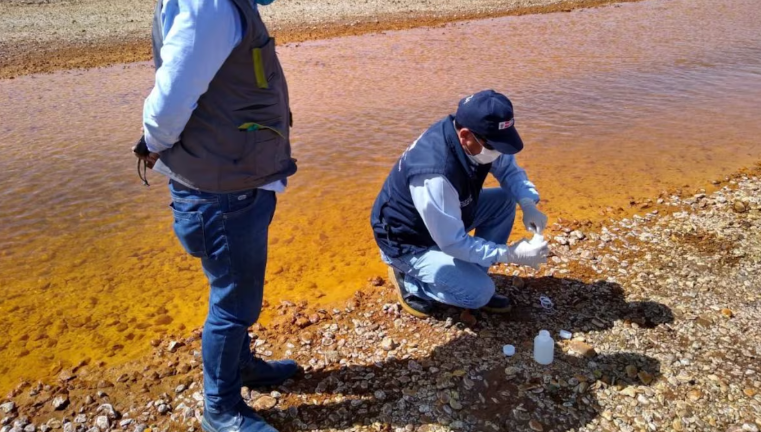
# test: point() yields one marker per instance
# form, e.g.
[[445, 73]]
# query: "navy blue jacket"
[[397, 225]]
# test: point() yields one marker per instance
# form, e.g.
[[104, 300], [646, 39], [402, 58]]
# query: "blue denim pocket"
[[188, 226]]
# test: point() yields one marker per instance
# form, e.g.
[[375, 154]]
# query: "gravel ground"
[[663, 309], [46, 35]]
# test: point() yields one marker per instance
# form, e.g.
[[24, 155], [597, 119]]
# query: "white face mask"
[[486, 156]]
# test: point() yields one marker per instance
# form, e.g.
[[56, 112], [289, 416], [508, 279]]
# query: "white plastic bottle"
[[544, 348]]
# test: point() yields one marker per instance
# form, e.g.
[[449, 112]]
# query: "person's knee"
[[483, 293], [477, 293]]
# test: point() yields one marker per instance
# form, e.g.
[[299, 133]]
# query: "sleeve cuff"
[[153, 145]]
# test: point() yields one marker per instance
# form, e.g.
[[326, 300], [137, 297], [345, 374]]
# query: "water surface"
[[612, 103]]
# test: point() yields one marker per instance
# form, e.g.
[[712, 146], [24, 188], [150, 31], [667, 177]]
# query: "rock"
[[265, 403], [8, 407], [54, 423], [66, 376], [695, 395], [69, 427], [727, 313], [376, 281], [163, 408], [511, 371], [739, 207], [582, 349], [645, 377], [750, 392], [30, 428], [124, 423], [518, 282], [102, 422], [631, 371], [179, 389], [141, 427], [380, 395], [108, 411], [388, 344], [455, 404], [535, 425], [174, 345], [629, 391], [302, 322], [60, 402], [467, 318], [677, 425], [578, 235]]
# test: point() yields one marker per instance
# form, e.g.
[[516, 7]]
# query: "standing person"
[[434, 196], [217, 124]]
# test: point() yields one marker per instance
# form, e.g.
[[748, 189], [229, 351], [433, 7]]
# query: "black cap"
[[489, 114]]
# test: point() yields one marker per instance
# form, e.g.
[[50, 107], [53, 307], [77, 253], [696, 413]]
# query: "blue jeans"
[[434, 275], [228, 232]]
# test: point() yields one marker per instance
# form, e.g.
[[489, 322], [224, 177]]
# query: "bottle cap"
[[544, 333], [508, 350], [565, 334]]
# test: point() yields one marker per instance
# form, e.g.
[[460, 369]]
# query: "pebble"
[[645, 377], [631, 371], [60, 402], [535, 425], [582, 348], [163, 409], [388, 344], [265, 403], [677, 425], [102, 422], [174, 346], [8, 407]]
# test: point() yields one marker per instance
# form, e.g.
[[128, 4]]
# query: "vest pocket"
[[266, 153], [188, 227], [264, 60]]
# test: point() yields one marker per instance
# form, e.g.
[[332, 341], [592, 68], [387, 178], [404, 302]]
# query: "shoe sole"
[[498, 310], [407, 308]]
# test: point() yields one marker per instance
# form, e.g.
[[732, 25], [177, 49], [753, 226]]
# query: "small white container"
[[544, 348], [565, 334], [508, 350]]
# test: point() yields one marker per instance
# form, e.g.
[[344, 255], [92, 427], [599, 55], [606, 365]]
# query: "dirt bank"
[[663, 308], [48, 35]]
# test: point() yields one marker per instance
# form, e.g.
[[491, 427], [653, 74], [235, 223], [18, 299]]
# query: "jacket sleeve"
[[513, 179], [437, 203]]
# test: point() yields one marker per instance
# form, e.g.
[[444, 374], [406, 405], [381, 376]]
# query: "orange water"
[[612, 103]]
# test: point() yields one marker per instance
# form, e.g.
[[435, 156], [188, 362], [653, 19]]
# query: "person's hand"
[[529, 253], [140, 150], [534, 220]]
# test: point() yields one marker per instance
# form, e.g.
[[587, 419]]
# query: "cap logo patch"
[[467, 99], [506, 124]]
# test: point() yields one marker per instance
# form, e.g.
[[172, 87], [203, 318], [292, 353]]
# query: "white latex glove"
[[534, 220], [528, 253]]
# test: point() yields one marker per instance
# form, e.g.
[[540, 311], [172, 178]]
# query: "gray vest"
[[238, 136]]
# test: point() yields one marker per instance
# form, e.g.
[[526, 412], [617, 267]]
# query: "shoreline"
[[662, 308], [25, 52]]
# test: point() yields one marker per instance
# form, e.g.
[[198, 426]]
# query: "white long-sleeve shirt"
[[199, 36], [438, 204]]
